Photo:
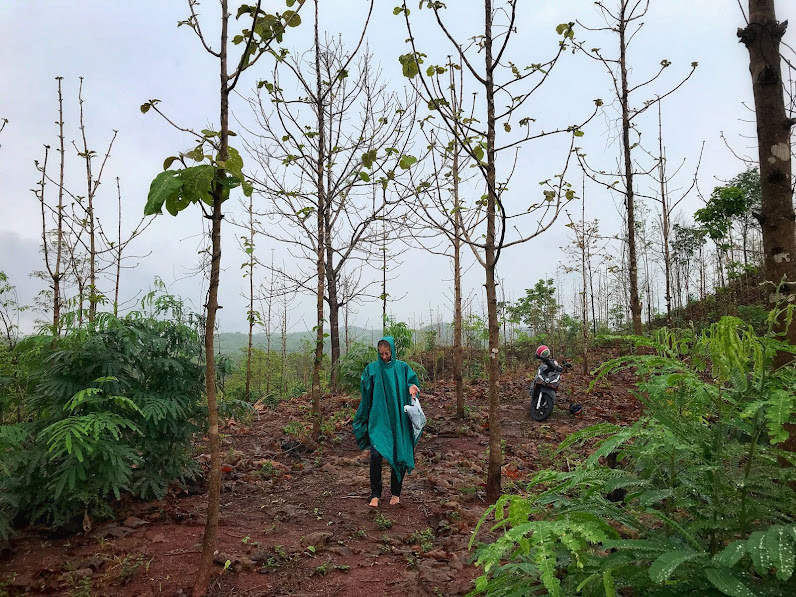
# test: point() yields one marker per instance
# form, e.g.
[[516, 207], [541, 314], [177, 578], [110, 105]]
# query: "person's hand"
[[414, 390]]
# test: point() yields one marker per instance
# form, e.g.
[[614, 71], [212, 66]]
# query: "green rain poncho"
[[380, 421]]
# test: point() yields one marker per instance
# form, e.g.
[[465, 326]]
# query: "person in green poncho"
[[381, 423]]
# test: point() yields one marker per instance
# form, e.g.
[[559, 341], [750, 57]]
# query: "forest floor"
[[295, 521]]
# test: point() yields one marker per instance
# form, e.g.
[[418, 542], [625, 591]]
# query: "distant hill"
[[233, 344]]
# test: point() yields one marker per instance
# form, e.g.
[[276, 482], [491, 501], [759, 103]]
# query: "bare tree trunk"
[[458, 377], [247, 391], [384, 279], [90, 219], [665, 223], [583, 255], [284, 341], [269, 330], [334, 312], [316, 369], [635, 303], [214, 489], [493, 483], [57, 275], [762, 38], [118, 251]]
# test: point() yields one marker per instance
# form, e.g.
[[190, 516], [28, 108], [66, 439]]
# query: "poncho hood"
[[391, 341], [380, 421]]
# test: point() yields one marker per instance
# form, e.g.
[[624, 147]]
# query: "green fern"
[[709, 508]]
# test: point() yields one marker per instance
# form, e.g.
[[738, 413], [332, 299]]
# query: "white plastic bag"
[[416, 416]]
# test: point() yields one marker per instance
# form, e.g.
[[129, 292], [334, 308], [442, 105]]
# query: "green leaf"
[[364, 176], [725, 582], [608, 584], [578, 133], [197, 184], [169, 161], [176, 203], [234, 165], [406, 161], [478, 151], [166, 184], [756, 546], [730, 555], [654, 496], [665, 565], [369, 157], [292, 18], [196, 154], [780, 547]]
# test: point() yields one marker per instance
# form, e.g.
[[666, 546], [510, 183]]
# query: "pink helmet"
[[543, 352]]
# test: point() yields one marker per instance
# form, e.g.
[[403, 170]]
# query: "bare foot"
[[395, 500], [374, 503]]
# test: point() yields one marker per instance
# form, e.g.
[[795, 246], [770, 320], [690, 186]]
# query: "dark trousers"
[[375, 476]]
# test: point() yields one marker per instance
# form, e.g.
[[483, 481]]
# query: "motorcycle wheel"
[[542, 407]]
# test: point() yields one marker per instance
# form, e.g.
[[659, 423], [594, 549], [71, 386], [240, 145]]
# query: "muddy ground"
[[295, 519]]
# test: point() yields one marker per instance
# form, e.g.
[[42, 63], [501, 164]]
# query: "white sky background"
[[129, 52]]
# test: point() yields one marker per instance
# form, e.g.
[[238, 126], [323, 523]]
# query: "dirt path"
[[295, 521]]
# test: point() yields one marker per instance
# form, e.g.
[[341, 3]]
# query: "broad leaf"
[[780, 547], [197, 184], [165, 185], [665, 565], [756, 546], [234, 165], [725, 582], [730, 555]]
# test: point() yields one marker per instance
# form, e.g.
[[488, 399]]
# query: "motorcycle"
[[544, 385]]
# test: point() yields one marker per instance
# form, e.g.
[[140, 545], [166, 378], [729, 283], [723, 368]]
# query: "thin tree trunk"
[[247, 391], [665, 224], [383, 278], [635, 303], [316, 368], [214, 489], [458, 377], [583, 247], [334, 311], [56, 277], [118, 251], [90, 219], [493, 483]]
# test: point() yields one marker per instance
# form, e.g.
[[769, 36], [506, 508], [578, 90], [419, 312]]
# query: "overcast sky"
[[129, 52]]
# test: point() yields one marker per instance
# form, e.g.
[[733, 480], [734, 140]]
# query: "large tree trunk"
[[493, 482], [762, 38], [214, 490], [630, 206]]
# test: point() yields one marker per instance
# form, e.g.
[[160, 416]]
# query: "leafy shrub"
[[117, 404], [402, 334], [352, 364], [708, 510]]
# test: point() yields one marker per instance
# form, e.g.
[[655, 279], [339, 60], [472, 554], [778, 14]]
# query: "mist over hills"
[[234, 344]]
